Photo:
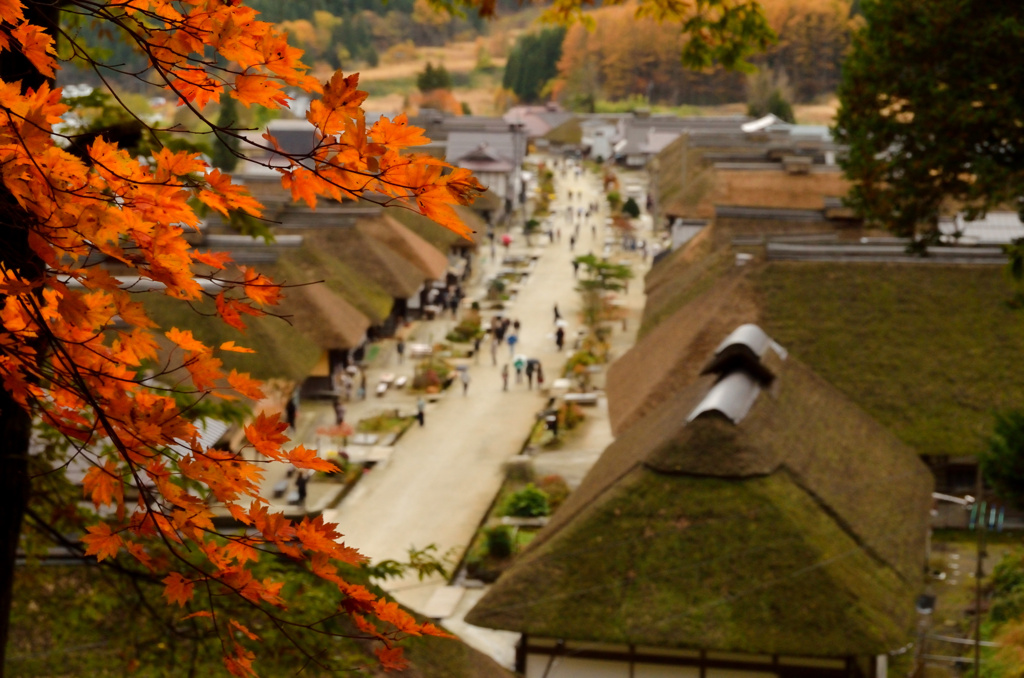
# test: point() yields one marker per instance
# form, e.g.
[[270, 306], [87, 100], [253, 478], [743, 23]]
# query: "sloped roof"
[[320, 313], [369, 258], [501, 145], [799, 530], [414, 249], [484, 159], [314, 262], [282, 350], [437, 235]]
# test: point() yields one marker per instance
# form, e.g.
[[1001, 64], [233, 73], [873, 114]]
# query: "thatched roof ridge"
[[805, 484], [311, 263], [325, 316], [437, 235], [370, 259], [672, 353], [414, 249], [282, 350]]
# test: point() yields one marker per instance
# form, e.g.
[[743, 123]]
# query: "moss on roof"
[[800, 530], [403, 240], [930, 351], [311, 263], [281, 349], [748, 565], [436, 234], [569, 132]]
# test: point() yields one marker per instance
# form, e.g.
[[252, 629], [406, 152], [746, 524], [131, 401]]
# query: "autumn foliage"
[[78, 351]]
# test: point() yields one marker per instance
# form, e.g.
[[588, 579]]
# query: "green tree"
[[430, 78], [1002, 461], [769, 92], [631, 209], [533, 62], [930, 107], [225, 147]]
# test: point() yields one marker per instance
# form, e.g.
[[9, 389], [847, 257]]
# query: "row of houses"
[[749, 519]]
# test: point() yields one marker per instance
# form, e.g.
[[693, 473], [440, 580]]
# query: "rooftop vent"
[[739, 362], [745, 348], [731, 397]]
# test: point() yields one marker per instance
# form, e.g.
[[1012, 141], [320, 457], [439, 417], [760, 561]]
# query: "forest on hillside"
[[622, 58]]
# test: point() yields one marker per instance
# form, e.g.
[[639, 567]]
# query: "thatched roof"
[[370, 259], [677, 340], [799, 530], [282, 350], [414, 249], [313, 263], [569, 132], [437, 235], [325, 317]]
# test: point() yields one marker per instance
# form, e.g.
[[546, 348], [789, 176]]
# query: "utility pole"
[[979, 571]]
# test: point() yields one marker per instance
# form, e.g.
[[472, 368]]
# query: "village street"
[[441, 478]]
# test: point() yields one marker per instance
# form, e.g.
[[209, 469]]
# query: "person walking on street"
[[518, 364], [560, 338], [572, 243], [421, 408], [464, 376], [400, 347], [529, 374], [512, 340], [575, 268], [300, 488], [494, 351], [504, 377], [558, 316]]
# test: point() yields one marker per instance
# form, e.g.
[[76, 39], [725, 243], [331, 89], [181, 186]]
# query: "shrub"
[[500, 541], [580, 359], [529, 502], [467, 330], [570, 415], [556, 488]]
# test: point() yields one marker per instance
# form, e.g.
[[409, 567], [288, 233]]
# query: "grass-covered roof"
[[403, 240], [930, 351], [282, 350], [437, 235], [798, 531]]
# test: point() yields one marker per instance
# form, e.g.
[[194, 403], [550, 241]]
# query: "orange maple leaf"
[[218, 260], [266, 434], [185, 340], [103, 485], [233, 347], [177, 589], [397, 133], [260, 288], [101, 541], [260, 90], [37, 46], [11, 11], [301, 457], [244, 630], [245, 385], [340, 102], [391, 658]]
